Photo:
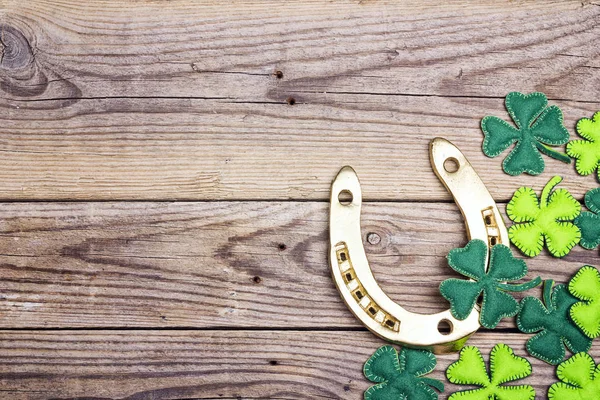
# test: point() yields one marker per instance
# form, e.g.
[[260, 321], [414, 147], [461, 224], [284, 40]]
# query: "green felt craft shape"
[[551, 321], [585, 286], [588, 222], [537, 127], [580, 379], [586, 151], [549, 219], [399, 376], [470, 261], [505, 366]]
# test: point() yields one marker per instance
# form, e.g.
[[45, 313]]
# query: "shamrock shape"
[[537, 127], [505, 366], [549, 219], [586, 151], [580, 379], [585, 286], [588, 222], [471, 262], [551, 320], [400, 376]]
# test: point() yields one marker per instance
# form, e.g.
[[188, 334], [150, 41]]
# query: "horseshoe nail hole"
[[345, 197], [488, 220], [493, 240], [343, 256], [451, 165], [445, 327]]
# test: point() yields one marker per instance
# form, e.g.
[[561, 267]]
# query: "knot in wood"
[[15, 51]]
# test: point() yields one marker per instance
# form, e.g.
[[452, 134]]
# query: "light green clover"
[[585, 286], [580, 379], [587, 150], [548, 219], [505, 366]]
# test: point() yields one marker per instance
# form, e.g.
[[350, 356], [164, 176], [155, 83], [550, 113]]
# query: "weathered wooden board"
[[227, 264], [184, 104], [208, 364], [240, 107], [207, 49], [201, 149]]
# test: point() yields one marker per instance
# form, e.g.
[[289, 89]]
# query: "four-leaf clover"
[[586, 151], [400, 376], [505, 366], [585, 286], [588, 222], [470, 261], [553, 324], [549, 218], [537, 127], [580, 379]]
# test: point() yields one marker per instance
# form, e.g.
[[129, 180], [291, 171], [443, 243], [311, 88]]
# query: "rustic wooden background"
[[165, 170]]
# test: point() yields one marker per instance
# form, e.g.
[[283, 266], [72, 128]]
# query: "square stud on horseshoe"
[[352, 273]]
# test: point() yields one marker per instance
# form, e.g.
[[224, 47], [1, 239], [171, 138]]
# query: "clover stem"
[[433, 382], [548, 294], [551, 153], [521, 287], [548, 190]]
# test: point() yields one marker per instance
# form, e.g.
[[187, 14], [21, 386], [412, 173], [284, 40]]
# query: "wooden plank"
[[70, 49], [209, 364], [186, 149], [185, 105], [228, 264]]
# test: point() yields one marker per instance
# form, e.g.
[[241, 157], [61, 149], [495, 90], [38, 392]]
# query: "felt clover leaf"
[[503, 267], [585, 286], [580, 378], [505, 366], [538, 127], [548, 219], [586, 151], [400, 376], [588, 222], [551, 321]]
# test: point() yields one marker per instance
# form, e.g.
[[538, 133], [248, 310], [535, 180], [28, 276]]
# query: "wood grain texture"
[[242, 113], [171, 365], [106, 102], [228, 264]]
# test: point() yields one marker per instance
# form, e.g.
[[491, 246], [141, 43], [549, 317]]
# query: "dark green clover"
[[470, 261], [552, 323], [537, 128], [400, 376], [588, 222]]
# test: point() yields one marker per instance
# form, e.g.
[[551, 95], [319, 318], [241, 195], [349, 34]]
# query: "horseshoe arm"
[[352, 273]]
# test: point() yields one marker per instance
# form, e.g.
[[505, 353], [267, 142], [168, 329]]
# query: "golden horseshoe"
[[352, 273]]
